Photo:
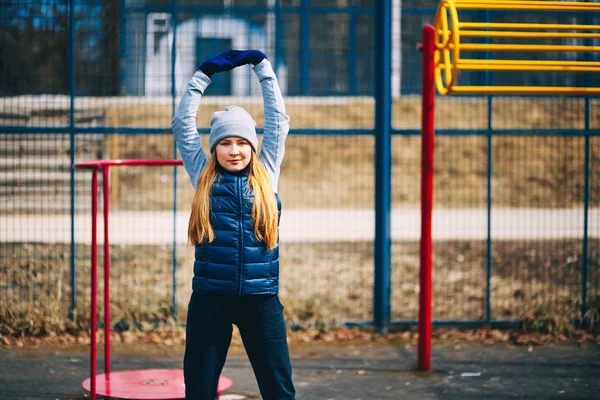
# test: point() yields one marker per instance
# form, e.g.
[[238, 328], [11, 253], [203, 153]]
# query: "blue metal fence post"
[[72, 152], [352, 54], [488, 81], [586, 185], [173, 99], [122, 46], [278, 56], [586, 207], [304, 48], [488, 248], [383, 164]]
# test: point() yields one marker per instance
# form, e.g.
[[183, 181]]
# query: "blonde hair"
[[265, 215]]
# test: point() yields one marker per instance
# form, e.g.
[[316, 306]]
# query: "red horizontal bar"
[[98, 164]]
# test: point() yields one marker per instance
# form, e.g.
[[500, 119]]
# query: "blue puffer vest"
[[235, 263]]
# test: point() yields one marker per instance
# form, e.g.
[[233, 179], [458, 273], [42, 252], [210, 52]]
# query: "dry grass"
[[338, 172], [358, 113], [320, 283], [332, 171]]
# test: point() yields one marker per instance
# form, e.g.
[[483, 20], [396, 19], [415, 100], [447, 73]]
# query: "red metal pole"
[[105, 193], [94, 166], [93, 284], [427, 124]]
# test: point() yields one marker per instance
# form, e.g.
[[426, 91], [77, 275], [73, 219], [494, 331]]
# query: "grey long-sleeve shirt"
[[277, 124]]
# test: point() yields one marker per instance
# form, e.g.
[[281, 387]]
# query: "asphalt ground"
[[337, 370]]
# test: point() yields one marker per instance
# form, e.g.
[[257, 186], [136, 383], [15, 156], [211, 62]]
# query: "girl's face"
[[233, 153]]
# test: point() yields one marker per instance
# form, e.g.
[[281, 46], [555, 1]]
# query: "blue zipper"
[[240, 236]]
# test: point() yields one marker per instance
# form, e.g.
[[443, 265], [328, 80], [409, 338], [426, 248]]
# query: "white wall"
[[158, 55]]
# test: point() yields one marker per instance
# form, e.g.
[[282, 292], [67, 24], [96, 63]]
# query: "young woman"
[[234, 226]]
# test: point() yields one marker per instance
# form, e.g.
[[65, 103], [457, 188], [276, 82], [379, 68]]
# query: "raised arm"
[[184, 126], [277, 122]]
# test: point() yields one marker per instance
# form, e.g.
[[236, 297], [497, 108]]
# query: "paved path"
[[338, 371], [315, 225]]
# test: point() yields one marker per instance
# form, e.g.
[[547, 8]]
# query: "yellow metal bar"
[[527, 35], [527, 47], [509, 4], [553, 6], [533, 62], [521, 2], [523, 90], [564, 3], [500, 25], [520, 67], [449, 40]]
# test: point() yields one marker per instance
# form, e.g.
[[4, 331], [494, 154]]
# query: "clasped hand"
[[228, 60]]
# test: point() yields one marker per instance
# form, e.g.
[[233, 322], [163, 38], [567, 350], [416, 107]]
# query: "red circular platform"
[[146, 384]]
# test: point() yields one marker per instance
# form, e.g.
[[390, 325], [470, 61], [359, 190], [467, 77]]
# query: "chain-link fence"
[[517, 179]]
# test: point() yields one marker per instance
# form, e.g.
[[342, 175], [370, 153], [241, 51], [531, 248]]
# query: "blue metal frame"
[[73, 304], [258, 9], [279, 32], [313, 131], [586, 189], [173, 97], [383, 166], [382, 132], [304, 47], [488, 247], [586, 207], [122, 42], [487, 81], [352, 55]]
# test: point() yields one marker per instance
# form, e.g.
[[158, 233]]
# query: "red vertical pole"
[[94, 285], [105, 193], [427, 125]]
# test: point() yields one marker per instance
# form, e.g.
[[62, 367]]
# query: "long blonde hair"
[[265, 215]]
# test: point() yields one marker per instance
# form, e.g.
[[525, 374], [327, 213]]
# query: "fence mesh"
[[521, 159]]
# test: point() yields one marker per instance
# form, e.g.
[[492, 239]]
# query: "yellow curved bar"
[[448, 45], [455, 38]]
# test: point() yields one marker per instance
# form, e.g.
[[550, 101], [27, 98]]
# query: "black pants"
[[208, 335]]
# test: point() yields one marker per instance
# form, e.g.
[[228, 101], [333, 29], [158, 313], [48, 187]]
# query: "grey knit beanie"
[[234, 121]]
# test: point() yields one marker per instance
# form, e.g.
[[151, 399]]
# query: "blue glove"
[[228, 60], [216, 64], [243, 57]]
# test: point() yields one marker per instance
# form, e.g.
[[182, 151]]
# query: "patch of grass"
[[591, 319], [37, 319], [321, 283], [545, 320]]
